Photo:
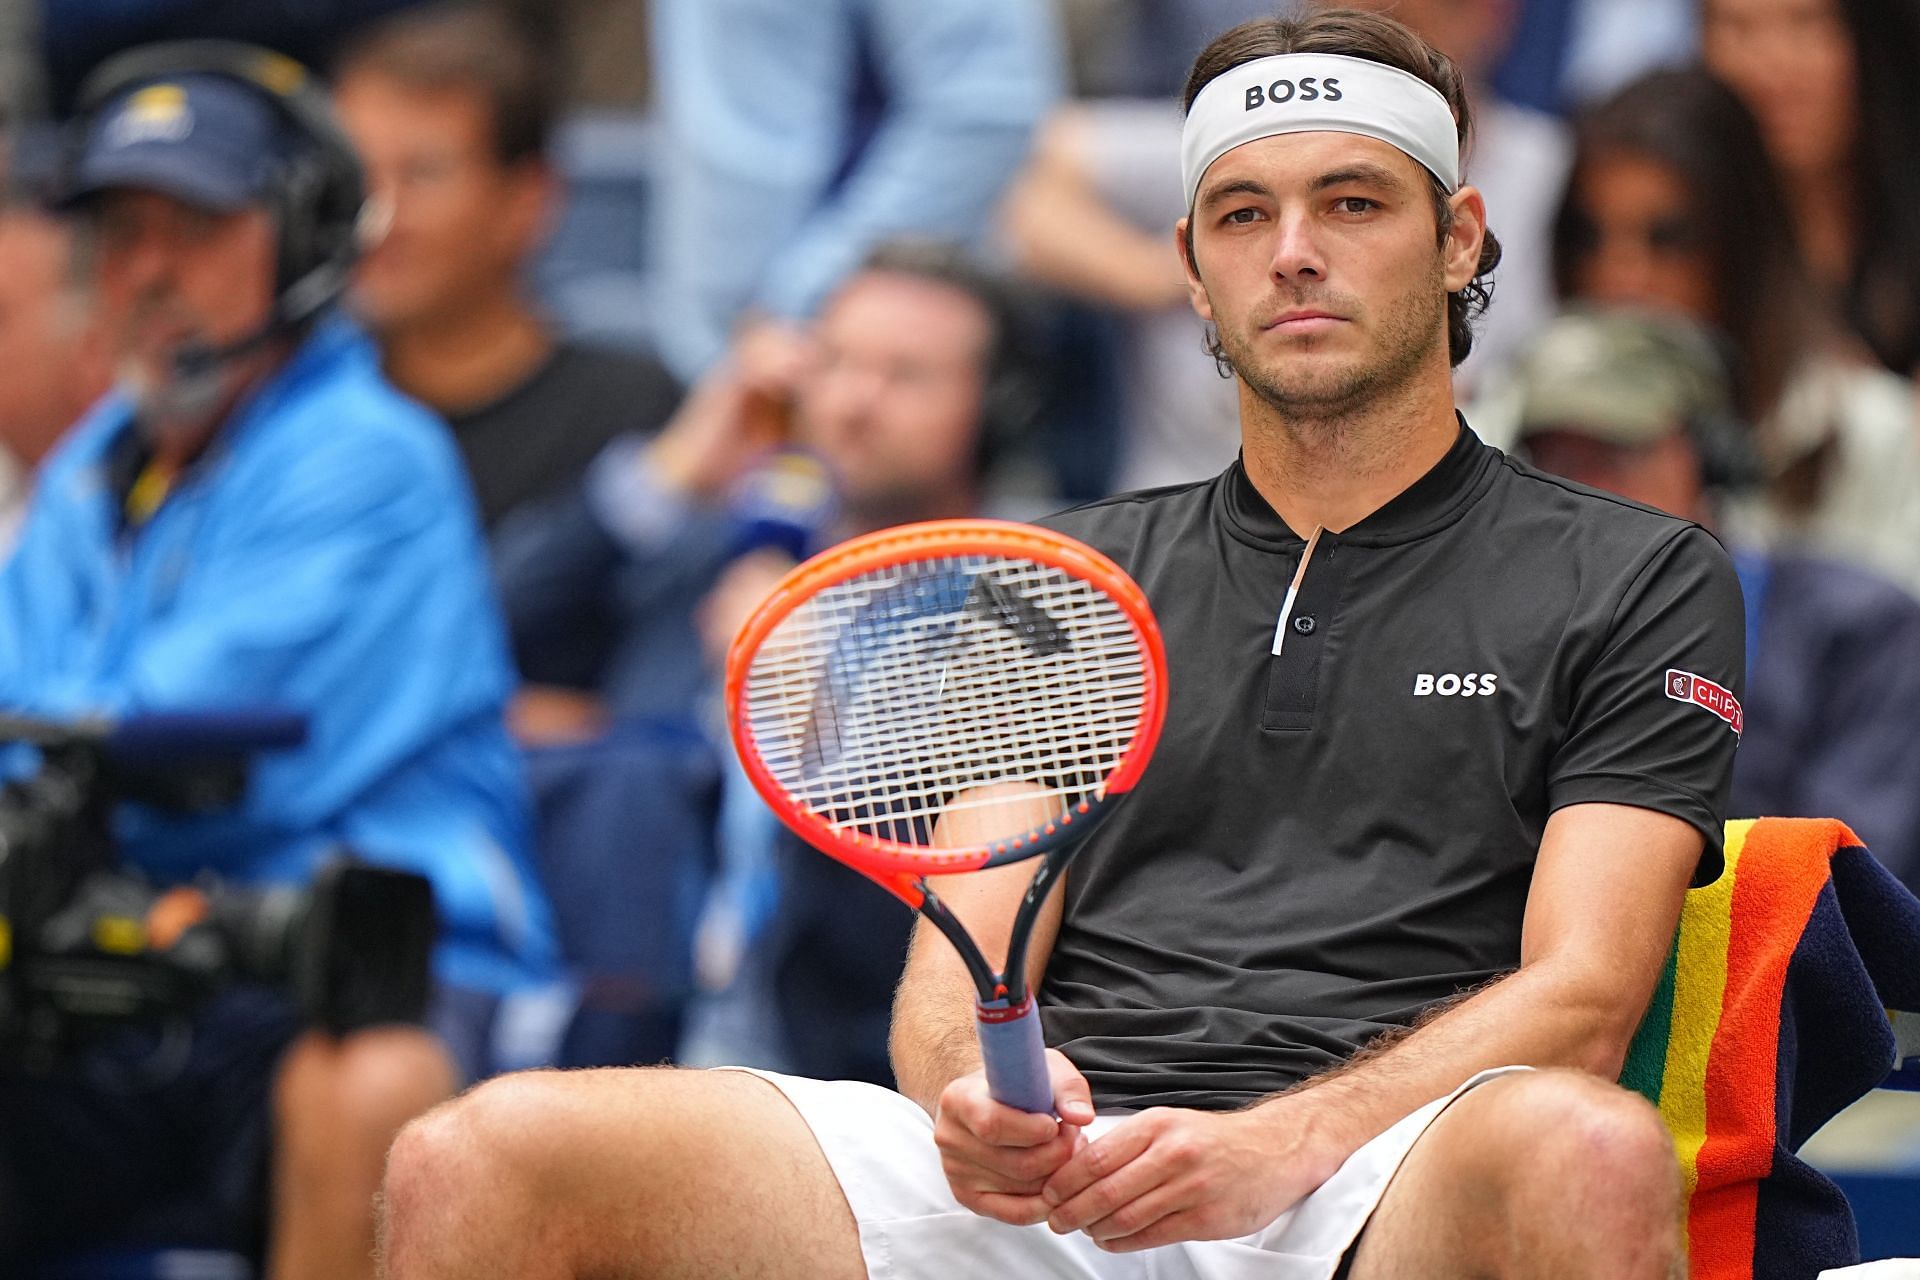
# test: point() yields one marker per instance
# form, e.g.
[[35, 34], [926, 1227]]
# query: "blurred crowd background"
[[700, 286]]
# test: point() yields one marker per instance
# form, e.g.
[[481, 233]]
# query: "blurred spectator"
[[1640, 406], [605, 580], [912, 382], [1519, 160], [255, 518], [1092, 216], [450, 107], [50, 346], [1673, 204], [1833, 85], [919, 382], [800, 133]]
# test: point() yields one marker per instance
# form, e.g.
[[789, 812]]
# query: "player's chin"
[[1308, 378]]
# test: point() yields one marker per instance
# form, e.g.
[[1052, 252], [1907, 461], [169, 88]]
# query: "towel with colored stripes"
[[1773, 1015]]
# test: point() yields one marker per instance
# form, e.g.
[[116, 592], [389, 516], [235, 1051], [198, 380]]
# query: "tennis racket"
[[945, 697]]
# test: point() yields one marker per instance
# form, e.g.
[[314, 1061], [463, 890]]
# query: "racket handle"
[[1015, 1054]]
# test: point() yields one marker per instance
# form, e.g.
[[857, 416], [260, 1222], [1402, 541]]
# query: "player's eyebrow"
[[1361, 172], [1235, 187]]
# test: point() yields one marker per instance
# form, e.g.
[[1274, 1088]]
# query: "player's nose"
[[1297, 253]]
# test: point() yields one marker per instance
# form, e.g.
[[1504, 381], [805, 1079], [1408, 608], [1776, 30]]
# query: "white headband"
[[1313, 92]]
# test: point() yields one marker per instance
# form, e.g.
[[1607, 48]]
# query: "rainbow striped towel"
[[1772, 1015]]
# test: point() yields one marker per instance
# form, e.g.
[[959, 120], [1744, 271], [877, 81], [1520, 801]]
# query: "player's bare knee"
[[1596, 1139], [489, 1140]]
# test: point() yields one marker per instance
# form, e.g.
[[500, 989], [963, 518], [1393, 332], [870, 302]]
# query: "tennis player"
[[1447, 741]]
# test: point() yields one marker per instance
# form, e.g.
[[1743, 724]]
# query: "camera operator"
[[254, 517]]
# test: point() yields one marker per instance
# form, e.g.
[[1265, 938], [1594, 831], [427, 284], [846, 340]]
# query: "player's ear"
[[1196, 291], [1466, 231]]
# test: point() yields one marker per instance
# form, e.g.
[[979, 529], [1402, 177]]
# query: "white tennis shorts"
[[880, 1146]]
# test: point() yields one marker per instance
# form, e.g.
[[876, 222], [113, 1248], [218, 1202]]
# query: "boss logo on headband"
[[1307, 89]]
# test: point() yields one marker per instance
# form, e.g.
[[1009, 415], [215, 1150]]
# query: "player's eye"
[[1241, 217], [1354, 204]]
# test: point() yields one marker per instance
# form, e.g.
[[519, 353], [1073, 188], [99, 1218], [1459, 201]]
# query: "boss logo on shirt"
[[1309, 89], [1684, 686], [1449, 685]]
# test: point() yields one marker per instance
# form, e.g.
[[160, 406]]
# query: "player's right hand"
[[997, 1158]]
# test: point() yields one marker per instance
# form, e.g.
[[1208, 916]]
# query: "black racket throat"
[[1011, 985]]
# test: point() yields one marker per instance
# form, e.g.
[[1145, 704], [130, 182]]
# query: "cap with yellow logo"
[[205, 139]]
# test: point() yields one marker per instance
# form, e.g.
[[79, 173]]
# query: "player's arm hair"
[[935, 1037], [1600, 920]]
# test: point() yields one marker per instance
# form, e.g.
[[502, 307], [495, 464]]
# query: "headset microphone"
[[197, 358]]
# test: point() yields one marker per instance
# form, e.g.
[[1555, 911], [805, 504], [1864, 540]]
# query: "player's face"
[[170, 274], [1321, 265], [1793, 63], [462, 222], [894, 402]]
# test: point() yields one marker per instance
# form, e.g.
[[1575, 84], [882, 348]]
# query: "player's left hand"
[[1170, 1174]]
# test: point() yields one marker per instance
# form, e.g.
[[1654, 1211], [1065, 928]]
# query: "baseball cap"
[[1626, 377], [205, 139]]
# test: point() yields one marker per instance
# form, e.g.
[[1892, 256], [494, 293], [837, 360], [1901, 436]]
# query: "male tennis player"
[[1447, 741]]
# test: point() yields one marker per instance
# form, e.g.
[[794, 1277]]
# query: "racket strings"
[[904, 694]]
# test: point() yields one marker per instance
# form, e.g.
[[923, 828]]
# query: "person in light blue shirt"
[[321, 555], [799, 134], [254, 517]]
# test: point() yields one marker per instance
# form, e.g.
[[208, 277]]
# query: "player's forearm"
[[1540, 1016], [933, 1041]]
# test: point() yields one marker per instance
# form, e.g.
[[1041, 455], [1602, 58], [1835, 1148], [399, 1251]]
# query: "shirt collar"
[[1426, 506]]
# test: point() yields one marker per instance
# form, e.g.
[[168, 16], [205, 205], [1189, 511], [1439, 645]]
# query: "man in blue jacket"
[[254, 517]]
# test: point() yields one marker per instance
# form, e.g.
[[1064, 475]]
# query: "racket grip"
[[1015, 1054]]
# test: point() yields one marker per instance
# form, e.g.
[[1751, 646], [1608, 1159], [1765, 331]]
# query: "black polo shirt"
[[1331, 840]]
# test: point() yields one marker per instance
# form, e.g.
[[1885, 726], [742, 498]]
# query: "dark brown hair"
[[1883, 295], [470, 47], [1692, 125], [1359, 34]]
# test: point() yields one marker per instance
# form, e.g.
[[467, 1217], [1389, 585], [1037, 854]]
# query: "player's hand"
[[996, 1157], [1169, 1174]]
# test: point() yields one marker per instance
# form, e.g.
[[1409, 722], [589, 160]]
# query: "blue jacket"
[[323, 556]]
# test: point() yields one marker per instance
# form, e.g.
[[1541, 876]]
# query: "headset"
[[1015, 397], [318, 195]]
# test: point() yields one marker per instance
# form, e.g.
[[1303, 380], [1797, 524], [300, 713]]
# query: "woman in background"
[[1673, 204], [1834, 87]]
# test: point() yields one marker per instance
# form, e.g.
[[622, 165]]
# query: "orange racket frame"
[[1010, 1035]]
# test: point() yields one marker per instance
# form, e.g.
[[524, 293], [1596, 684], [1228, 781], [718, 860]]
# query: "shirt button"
[[1304, 624]]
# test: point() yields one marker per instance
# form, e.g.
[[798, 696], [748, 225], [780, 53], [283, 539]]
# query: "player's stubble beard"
[[1345, 411]]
